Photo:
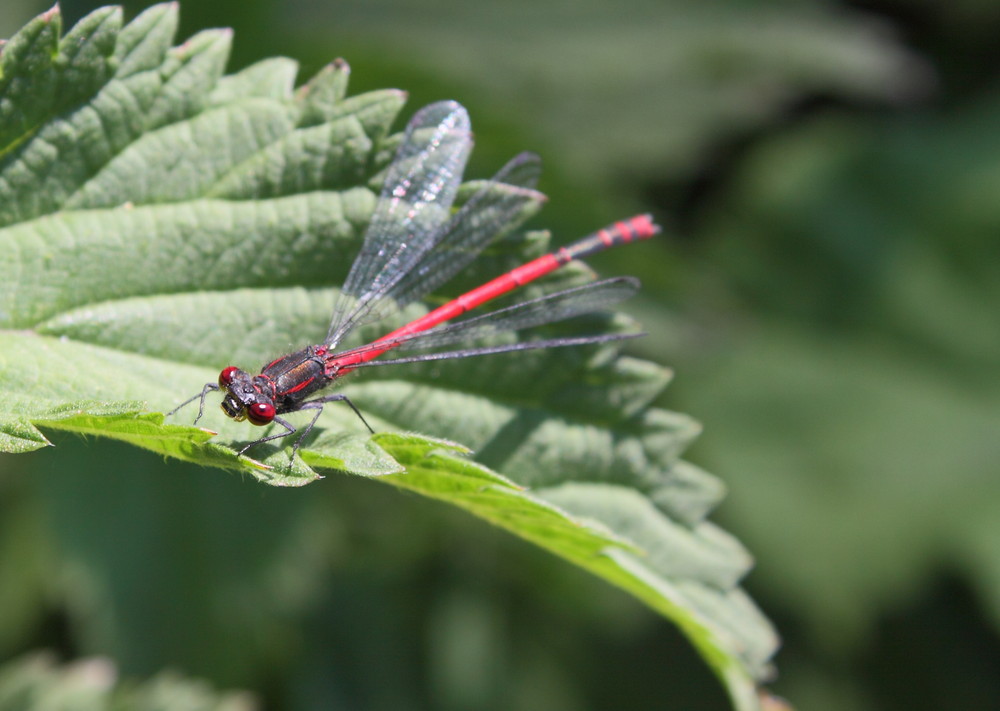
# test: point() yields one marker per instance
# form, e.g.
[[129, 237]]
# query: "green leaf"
[[171, 220], [37, 683]]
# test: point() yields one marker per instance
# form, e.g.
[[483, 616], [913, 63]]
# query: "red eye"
[[260, 413], [226, 376]]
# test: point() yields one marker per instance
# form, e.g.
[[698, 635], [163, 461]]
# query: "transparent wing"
[[505, 348], [401, 263], [419, 189], [497, 207], [561, 305]]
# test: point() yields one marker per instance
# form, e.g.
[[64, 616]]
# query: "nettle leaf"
[[38, 683], [160, 220]]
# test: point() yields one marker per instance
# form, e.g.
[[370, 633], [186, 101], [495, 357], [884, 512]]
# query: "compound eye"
[[226, 376], [260, 413]]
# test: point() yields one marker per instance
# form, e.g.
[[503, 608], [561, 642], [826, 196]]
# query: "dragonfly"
[[415, 242]]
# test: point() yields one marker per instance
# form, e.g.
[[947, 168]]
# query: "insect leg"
[[288, 431], [339, 397], [209, 387], [316, 405]]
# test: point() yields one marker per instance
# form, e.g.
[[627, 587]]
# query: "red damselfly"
[[414, 244]]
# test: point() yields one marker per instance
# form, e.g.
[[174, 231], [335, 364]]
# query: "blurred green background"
[[828, 292]]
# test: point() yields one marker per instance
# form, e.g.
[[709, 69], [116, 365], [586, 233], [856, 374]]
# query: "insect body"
[[414, 244]]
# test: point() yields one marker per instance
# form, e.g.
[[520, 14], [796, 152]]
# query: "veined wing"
[[416, 198], [412, 261], [496, 208], [561, 305]]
